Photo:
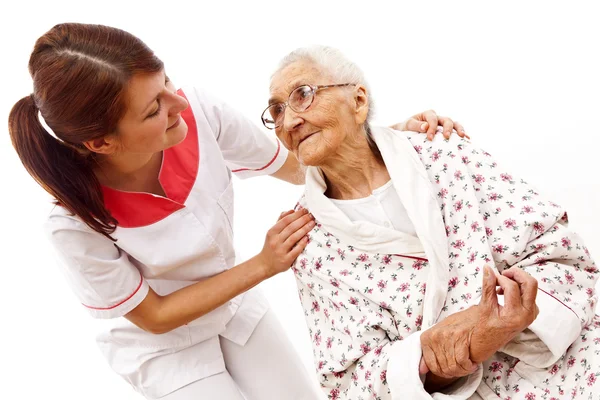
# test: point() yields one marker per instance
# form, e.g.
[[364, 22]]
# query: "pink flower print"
[[554, 369], [459, 244], [326, 312], [590, 292], [344, 272], [329, 342], [448, 231], [591, 379], [591, 269], [368, 375], [334, 283], [419, 321], [527, 209], [475, 226], [317, 338], [423, 288], [493, 196], [566, 243], [465, 159], [418, 149], [570, 278], [488, 231], [363, 257], [505, 177], [303, 262], [510, 223], [496, 367], [498, 248], [472, 258], [404, 287], [387, 259], [318, 265], [479, 179], [458, 205], [320, 365], [315, 306], [443, 193], [383, 375], [538, 228], [365, 347], [530, 396], [453, 283], [339, 374], [418, 264], [458, 175], [334, 394], [435, 156], [571, 362], [353, 301], [382, 285]]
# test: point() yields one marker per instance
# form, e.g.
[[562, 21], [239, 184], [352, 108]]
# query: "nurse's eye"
[[155, 113]]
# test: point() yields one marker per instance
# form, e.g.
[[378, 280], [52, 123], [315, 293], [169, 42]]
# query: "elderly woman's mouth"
[[306, 137]]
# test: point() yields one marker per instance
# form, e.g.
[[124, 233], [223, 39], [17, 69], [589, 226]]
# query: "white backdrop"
[[522, 77]]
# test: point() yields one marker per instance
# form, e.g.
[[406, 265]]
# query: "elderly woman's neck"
[[354, 171]]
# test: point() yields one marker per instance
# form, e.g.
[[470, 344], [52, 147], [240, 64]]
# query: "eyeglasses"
[[300, 99]]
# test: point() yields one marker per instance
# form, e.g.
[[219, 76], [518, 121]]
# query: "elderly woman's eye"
[[276, 110]]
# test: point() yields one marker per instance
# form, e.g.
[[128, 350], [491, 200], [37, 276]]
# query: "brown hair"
[[80, 73]]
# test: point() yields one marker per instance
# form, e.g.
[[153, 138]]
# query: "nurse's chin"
[[177, 134]]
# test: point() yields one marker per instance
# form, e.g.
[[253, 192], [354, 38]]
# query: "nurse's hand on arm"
[[284, 242], [427, 122]]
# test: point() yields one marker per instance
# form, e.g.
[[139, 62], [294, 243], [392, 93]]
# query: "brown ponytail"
[[60, 169], [80, 73]]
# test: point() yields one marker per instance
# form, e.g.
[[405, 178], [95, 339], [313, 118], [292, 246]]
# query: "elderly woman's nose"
[[292, 120]]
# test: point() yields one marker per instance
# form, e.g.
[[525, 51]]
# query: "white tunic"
[[168, 243]]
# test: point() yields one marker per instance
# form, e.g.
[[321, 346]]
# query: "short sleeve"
[[246, 148], [99, 273]]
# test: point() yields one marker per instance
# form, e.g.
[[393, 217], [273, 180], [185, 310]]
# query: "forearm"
[[194, 301]]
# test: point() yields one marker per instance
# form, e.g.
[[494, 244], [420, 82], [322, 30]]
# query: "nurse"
[[141, 174]]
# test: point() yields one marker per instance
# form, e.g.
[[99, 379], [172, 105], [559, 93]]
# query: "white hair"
[[333, 63]]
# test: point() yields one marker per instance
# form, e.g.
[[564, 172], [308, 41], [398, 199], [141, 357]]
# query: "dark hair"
[[80, 73]]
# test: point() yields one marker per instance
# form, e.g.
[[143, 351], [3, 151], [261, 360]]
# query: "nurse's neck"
[[130, 172], [353, 171]]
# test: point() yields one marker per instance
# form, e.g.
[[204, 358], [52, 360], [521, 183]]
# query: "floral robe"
[[368, 291]]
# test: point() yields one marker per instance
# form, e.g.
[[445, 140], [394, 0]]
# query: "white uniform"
[[168, 243]]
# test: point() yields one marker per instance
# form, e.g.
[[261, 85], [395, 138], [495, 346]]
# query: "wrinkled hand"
[[446, 346], [498, 324], [427, 122], [285, 241]]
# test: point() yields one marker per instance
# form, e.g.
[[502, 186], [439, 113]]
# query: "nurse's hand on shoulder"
[[427, 122], [285, 241]]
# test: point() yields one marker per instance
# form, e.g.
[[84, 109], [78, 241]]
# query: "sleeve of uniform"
[[99, 273], [526, 230], [247, 149], [362, 363]]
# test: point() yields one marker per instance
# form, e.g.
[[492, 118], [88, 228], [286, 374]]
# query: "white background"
[[521, 76]]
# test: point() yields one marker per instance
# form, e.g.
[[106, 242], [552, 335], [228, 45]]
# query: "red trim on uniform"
[[266, 166], [177, 176], [118, 304]]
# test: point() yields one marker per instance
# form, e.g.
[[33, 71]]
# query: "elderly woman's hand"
[[446, 346], [500, 324], [427, 122]]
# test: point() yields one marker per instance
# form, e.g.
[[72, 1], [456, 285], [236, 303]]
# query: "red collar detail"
[[177, 176]]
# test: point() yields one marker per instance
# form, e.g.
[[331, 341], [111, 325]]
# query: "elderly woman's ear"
[[361, 101]]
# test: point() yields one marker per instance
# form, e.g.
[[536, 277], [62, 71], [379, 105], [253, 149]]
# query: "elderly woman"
[[398, 281]]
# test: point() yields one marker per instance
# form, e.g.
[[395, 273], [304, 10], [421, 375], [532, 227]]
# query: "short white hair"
[[334, 63]]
